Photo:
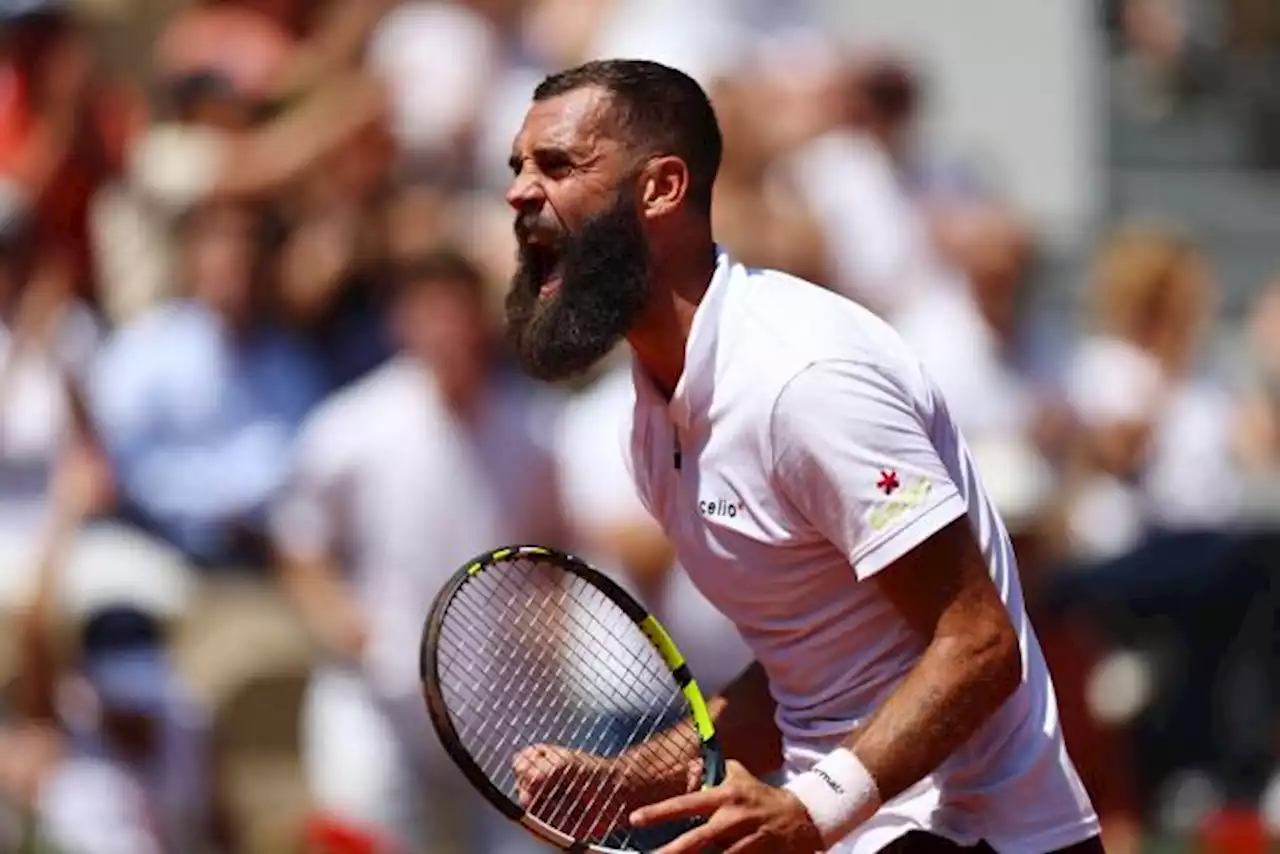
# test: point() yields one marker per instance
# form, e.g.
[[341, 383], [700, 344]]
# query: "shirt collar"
[[698, 375]]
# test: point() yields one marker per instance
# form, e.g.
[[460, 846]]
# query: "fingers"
[[725, 827], [696, 804], [693, 805], [536, 769], [752, 844]]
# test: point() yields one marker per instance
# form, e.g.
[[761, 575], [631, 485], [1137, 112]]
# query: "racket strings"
[[593, 798], [523, 646], [532, 654], [563, 737]]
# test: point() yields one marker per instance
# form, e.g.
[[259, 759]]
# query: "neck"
[[680, 281]]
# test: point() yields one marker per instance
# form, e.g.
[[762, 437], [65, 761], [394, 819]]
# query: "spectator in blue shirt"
[[196, 403]]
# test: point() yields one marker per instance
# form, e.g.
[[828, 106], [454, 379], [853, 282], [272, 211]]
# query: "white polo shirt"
[[805, 450], [389, 483]]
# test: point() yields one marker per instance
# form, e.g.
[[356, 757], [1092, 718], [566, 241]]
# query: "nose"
[[524, 193]]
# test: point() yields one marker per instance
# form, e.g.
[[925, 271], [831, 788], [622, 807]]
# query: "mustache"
[[528, 225]]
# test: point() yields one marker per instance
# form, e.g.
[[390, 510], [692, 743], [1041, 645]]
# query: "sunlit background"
[[254, 408]]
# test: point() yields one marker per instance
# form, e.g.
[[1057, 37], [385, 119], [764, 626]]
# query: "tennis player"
[[819, 494]]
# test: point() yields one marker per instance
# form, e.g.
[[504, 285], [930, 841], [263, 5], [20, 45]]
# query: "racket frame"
[[713, 762]]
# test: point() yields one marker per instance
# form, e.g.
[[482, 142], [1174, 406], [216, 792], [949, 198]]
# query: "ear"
[[664, 184]]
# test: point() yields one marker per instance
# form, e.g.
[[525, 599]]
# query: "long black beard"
[[604, 269]]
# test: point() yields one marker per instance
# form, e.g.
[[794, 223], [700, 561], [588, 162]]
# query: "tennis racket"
[[563, 701]]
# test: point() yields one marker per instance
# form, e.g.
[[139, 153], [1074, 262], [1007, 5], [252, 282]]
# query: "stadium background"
[[1069, 208]]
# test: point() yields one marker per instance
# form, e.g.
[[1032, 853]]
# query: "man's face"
[[219, 251], [448, 330], [582, 278]]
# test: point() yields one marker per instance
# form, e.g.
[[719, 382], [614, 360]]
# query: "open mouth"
[[544, 263], [550, 287]]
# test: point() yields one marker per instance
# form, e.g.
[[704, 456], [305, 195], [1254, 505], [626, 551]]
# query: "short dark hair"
[[661, 109], [442, 268]]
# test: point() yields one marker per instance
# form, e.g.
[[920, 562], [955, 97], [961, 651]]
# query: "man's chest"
[[714, 492]]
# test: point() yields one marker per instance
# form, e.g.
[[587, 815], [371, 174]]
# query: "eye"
[[556, 165]]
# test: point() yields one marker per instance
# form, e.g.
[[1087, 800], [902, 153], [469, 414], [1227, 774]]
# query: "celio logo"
[[721, 507]]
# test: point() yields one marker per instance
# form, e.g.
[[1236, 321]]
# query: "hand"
[[744, 816], [558, 781]]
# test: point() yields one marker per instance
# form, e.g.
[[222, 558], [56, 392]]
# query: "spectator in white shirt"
[[1158, 431], [398, 480]]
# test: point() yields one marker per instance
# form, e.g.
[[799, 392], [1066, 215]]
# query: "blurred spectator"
[[769, 223], [399, 480], [1166, 53], [459, 52], [881, 250], [211, 146], [134, 775], [1152, 495], [1158, 429], [332, 267], [247, 47], [1258, 440], [62, 133], [46, 345], [199, 437]]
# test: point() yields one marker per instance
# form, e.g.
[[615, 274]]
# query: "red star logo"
[[888, 482]]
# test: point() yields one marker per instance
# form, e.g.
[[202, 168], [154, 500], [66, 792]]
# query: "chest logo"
[[911, 496], [721, 507]]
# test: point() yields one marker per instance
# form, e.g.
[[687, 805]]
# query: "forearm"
[[952, 691], [743, 715], [324, 603], [283, 150]]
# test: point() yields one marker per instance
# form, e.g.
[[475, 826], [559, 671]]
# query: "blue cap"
[[124, 659], [137, 681]]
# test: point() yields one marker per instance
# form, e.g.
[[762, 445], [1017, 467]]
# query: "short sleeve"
[[307, 517], [853, 455], [176, 166]]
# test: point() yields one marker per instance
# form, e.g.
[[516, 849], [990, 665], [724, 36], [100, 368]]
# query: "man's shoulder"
[[779, 325], [783, 311]]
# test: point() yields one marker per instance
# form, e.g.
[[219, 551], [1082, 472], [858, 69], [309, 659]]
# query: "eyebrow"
[[550, 152]]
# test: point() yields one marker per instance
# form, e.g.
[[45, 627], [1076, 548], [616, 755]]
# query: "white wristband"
[[839, 794]]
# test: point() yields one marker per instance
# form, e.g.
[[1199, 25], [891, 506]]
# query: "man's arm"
[[970, 667], [871, 480], [179, 166], [325, 603], [743, 714], [661, 767]]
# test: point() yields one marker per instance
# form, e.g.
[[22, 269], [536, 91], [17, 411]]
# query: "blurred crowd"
[[255, 408]]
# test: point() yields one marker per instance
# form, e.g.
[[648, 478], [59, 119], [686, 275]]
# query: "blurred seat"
[[256, 737], [245, 654]]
